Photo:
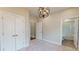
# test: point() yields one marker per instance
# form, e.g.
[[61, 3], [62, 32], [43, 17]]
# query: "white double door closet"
[[12, 32]]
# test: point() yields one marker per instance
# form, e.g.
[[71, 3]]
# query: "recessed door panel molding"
[[12, 32], [9, 31], [20, 32]]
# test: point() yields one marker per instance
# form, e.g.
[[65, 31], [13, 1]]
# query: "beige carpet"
[[40, 45]]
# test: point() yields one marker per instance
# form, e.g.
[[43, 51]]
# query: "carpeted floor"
[[40, 45]]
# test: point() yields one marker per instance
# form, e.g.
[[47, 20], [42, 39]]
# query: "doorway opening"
[[70, 33], [36, 30], [32, 30]]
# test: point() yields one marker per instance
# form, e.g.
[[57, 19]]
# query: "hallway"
[[40, 45]]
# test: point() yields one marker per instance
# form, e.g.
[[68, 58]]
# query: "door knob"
[[15, 35]]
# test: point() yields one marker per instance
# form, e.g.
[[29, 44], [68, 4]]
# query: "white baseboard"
[[52, 42]]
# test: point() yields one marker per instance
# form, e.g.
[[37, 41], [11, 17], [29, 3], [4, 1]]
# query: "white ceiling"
[[34, 10]]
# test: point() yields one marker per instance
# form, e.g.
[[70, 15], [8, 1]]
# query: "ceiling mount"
[[44, 12]]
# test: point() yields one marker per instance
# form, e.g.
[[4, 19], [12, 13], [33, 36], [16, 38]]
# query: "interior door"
[[20, 32], [9, 31], [76, 33], [39, 30]]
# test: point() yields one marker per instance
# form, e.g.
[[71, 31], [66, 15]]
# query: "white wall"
[[52, 25], [51, 29]]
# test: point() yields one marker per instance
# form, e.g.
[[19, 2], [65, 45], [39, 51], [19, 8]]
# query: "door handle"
[[14, 35]]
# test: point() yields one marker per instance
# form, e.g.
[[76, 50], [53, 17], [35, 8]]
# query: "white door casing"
[[1, 32], [78, 34], [76, 38], [76, 31]]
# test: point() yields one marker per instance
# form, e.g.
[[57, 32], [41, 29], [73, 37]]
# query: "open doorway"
[[70, 32], [32, 29], [36, 30]]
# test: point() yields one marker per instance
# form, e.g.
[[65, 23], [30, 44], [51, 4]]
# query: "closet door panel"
[[9, 31], [20, 32]]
